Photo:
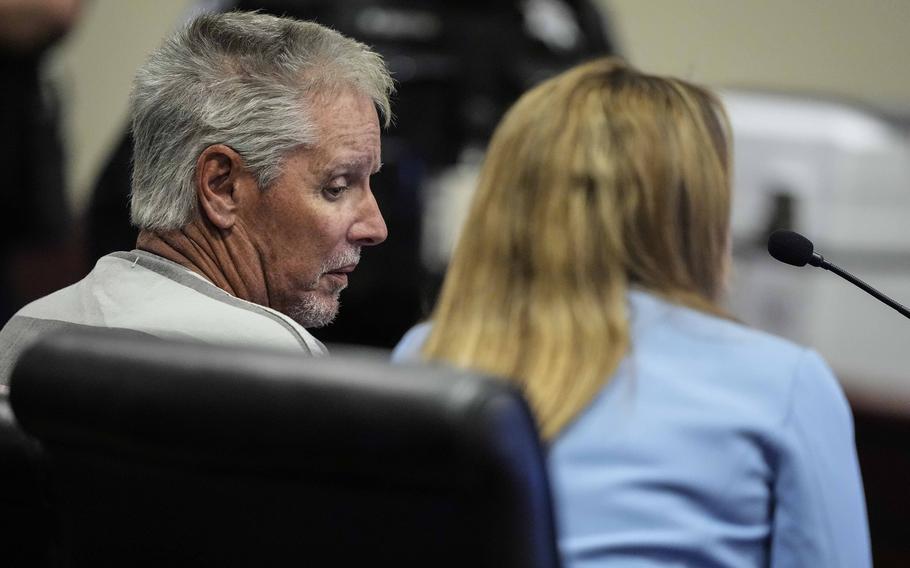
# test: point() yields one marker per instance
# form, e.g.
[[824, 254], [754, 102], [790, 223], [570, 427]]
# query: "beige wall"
[[858, 49], [854, 48]]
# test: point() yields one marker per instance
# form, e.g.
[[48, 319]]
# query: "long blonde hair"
[[597, 179]]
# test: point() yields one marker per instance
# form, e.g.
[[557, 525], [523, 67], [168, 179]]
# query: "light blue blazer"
[[713, 445]]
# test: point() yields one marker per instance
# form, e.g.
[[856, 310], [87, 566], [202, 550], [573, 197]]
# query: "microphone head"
[[790, 247]]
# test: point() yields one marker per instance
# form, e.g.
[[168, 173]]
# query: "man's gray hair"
[[242, 79]]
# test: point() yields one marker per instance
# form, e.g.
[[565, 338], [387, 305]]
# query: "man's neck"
[[231, 265]]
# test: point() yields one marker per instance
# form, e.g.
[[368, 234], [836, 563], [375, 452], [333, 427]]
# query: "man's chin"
[[315, 311]]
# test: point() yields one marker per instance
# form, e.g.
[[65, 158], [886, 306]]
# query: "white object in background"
[[840, 175], [445, 202]]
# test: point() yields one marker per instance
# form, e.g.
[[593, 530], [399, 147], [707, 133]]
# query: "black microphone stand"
[[819, 261]]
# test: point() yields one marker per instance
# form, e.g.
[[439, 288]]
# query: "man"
[[255, 139]]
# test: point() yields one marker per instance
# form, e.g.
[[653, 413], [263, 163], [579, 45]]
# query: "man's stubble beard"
[[316, 309]]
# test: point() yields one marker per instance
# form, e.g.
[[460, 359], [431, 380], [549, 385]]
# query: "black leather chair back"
[[27, 524], [167, 453]]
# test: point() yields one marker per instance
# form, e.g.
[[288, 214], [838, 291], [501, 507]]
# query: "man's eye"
[[335, 191]]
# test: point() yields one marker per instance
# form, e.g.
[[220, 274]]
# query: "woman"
[[590, 271]]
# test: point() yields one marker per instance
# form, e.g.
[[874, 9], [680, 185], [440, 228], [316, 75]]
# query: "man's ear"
[[220, 175]]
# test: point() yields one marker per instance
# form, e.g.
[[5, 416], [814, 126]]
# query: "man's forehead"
[[347, 133], [360, 162], [363, 159]]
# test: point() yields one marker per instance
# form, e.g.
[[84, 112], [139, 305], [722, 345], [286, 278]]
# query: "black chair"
[[179, 454], [28, 529]]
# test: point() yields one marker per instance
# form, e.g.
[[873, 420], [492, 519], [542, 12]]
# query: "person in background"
[[39, 246], [255, 139], [590, 271]]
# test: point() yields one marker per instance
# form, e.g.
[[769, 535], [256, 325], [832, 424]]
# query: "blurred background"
[[818, 93]]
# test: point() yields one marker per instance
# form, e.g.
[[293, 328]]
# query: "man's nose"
[[369, 229]]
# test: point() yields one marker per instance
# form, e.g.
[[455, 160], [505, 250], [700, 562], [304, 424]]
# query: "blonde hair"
[[598, 179]]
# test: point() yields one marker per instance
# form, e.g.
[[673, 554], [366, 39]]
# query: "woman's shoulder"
[[655, 319], [724, 356], [408, 348]]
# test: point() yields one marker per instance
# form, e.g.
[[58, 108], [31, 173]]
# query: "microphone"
[[794, 249]]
